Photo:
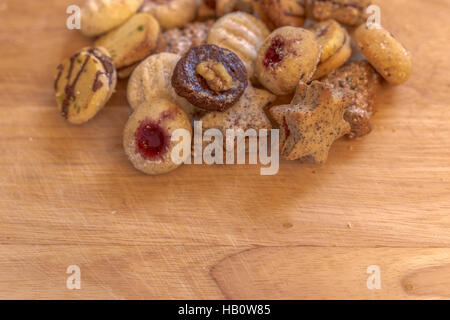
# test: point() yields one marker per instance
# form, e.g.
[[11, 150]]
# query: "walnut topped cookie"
[[210, 77], [100, 16], [84, 83], [312, 122]]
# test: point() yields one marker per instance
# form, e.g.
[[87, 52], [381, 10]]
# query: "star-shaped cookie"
[[363, 81], [247, 113], [312, 122]]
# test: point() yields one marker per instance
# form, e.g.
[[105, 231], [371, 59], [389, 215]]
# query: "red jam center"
[[151, 141], [287, 132], [273, 53]]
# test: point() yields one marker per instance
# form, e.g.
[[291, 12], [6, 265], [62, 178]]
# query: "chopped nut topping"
[[216, 75]]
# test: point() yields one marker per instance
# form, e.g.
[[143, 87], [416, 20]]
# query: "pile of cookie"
[[233, 64]]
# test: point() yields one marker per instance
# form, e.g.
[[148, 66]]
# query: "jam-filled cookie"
[[348, 12], [171, 13], [281, 13], [100, 16], [147, 136], [385, 53], [210, 77], [179, 41], [133, 41], [363, 81], [335, 46], [84, 83], [288, 55], [241, 33], [152, 79], [312, 122]]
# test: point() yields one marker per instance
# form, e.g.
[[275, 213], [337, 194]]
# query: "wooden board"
[[68, 195]]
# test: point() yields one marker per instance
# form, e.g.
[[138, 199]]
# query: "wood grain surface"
[[69, 196]]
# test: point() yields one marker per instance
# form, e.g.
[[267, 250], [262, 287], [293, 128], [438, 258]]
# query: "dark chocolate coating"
[[190, 85]]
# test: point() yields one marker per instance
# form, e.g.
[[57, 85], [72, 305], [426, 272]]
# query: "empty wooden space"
[[68, 195]]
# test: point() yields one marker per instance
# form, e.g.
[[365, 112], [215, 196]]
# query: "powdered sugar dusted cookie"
[[247, 113], [179, 41], [363, 82], [312, 122]]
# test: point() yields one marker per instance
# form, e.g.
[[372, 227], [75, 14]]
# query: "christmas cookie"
[[247, 113], [363, 81], [125, 72], [84, 83], [288, 55], [241, 33], [348, 12], [335, 46], [171, 13], [312, 122], [100, 16], [385, 53], [147, 136], [152, 79], [133, 41], [210, 77], [179, 41], [280, 13]]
